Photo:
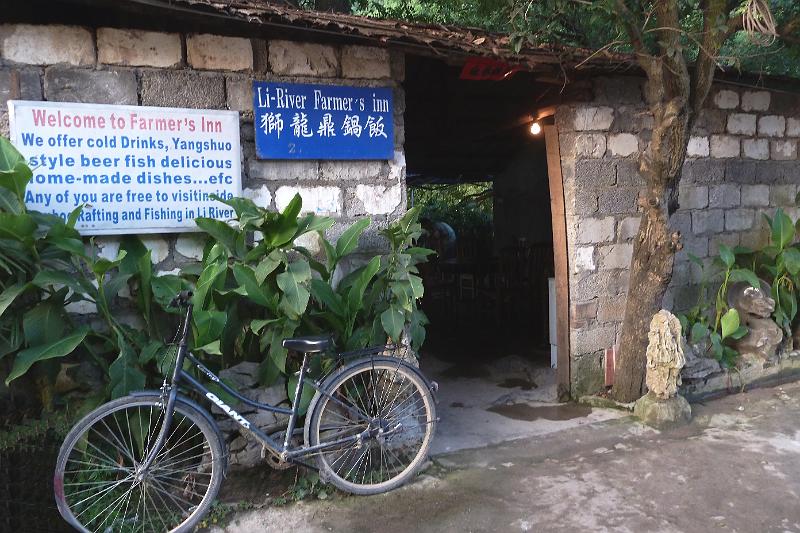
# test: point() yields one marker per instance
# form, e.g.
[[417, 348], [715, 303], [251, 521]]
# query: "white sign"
[[135, 169]]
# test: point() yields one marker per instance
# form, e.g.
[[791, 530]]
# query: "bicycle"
[[154, 460]]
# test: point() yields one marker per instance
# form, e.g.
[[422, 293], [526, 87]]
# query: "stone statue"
[[755, 308], [662, 407], [665, 357]]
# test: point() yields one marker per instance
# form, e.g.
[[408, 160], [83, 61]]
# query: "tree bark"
[[675, 98]]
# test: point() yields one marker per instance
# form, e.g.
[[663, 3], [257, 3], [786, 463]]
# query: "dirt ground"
[[735, 468]]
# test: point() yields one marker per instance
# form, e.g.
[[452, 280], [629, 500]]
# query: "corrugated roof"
[[427, 38]]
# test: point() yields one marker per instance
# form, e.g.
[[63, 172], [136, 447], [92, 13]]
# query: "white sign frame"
[[187, 225]]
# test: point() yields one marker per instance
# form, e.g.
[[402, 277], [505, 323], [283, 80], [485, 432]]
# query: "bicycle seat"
[[308, 344]]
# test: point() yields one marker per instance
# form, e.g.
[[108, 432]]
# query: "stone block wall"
[[741, 163], [135, 67]]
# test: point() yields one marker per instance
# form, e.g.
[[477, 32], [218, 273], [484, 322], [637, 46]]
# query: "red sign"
[[486, 68]]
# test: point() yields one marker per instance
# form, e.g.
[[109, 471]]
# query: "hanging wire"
[[758, 23]]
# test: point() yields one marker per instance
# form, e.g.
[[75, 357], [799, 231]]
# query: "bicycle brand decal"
[[230, 412]]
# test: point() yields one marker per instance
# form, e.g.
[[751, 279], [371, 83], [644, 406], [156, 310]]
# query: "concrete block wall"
[[742, 163], [135, 67]]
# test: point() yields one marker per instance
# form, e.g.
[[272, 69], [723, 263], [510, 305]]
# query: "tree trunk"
[[651, 272], [655, 245]]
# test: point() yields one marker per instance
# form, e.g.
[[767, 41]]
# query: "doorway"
[[484, 181]]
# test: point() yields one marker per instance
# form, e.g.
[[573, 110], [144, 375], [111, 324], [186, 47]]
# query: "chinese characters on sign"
[[296, 121], [134, 169]]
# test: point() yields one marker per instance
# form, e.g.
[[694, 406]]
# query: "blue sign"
[[297, 121]]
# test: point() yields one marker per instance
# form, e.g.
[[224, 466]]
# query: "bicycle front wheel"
[[98, 486], [389, 405]]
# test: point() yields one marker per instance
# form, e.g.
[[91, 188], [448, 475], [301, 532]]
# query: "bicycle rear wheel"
[[97, 485], [390, 405]]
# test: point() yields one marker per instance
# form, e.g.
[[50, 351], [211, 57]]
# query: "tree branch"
[[714, 34]]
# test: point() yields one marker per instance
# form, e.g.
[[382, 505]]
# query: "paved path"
[[735, 468]]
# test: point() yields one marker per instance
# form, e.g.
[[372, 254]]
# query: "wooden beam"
[[560, 259]]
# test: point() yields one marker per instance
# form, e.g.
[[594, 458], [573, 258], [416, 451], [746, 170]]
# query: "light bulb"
[[536, 129]]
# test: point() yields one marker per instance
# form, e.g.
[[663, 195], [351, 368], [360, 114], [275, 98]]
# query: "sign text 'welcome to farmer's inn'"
[[299, 121], [133, 169]]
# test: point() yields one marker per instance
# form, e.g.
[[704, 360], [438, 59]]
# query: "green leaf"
[[10, 203], [44, 324], [726, 255], [150, 351], [739, 333], [292, 284], [782, 229], [323, 293], [224, 234], [348, 240], [164, 288], [246, 278], [393, 321], [212, 348], [208, 325], [699, 332], [791, 260], [10, 294], [102, 265], [212, 276], [746, 275], [730, 323], [268, 265], [417, 288], [355, 296], [17, 227], [60, 348], [124, 374]]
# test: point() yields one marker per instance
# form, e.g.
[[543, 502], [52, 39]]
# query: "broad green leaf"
[[416, 286], [10, 293], [212, 274], [164, 288], [330, 252], [746, 275], [208, 325], [268, 265], [292, 284], [150, 351], [791, 260], [10, 203], [44, 323], [78, 284], [348, 240], [72, 219], [212, 348], [324, 294], [246, 278], [60, 348], [102, 265], [355, 296], [258, 324], [726, 255], [739, 333], [699, 332], [17, 227], [124, 374], [242, 206], [782, 229], [393, 321], [224, 234], [730, 323]]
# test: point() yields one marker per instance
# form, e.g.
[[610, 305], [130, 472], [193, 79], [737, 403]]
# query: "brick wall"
[[742, 162], [133, 67]]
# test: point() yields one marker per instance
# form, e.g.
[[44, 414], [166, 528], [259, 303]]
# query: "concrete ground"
[[736, 468], [499, 400]]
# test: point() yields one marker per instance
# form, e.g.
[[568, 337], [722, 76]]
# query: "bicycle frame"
[[284, 450]]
